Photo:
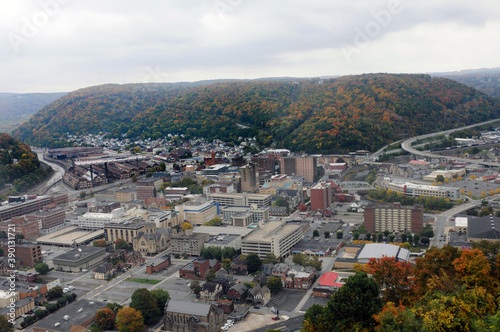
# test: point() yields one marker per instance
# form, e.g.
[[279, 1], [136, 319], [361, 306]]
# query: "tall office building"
[[301, 166], [249, 178]]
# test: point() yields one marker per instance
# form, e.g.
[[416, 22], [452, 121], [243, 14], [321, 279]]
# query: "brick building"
[[28, 228], [395, 218], [159, 264], [321, 196], [29, 254], [198, 269], [147, 188], [301, 166], [51, 217]]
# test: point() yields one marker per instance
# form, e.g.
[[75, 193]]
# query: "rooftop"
[[191, 308], [75, 313], [80, 253], [222, 239], [266, 232], [379, 250]]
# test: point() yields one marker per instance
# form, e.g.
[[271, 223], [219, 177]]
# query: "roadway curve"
[[406, 145]]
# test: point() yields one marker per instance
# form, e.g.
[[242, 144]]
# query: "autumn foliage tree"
[[105, 319], [129, 320], [121, 244], [395, 279], [473, 269]]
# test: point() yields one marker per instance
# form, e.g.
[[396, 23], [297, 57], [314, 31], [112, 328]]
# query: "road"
[[406, 145], [292, 324]]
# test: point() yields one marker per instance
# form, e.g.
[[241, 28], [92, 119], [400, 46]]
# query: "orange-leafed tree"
[[437, 263], [302, 207], [129, 320], [100, 243], [473, 268], [395, 279], [105, 319]]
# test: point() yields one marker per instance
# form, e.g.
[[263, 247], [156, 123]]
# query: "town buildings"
[[395, 218], [301, 166], [188, 243], [192, 317], [249, 178], [274, 237]]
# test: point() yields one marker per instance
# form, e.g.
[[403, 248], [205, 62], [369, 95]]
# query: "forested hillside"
[[485, 80], [324, 116], [19, 165], [16, 108]]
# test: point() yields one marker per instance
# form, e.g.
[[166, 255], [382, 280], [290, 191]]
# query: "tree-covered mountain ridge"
[[321, 116], [19, 165]]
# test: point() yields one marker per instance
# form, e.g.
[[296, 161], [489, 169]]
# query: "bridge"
[[355, 185]]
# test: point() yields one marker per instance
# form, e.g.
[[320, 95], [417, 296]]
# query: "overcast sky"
[[64, 45]]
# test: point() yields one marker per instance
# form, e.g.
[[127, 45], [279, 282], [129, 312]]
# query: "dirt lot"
[[254, 321]]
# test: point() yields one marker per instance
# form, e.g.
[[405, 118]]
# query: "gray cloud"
[[85, 43]]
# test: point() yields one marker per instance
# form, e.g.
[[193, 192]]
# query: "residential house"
[[135, 258], [280, 269], [104, 271], [239, 267], [259, 295], [211, 291], [237, 293], [225, 305]]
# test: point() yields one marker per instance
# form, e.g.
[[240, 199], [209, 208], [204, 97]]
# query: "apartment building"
[[198, 212], [395, 218], [301, 166], [249, 178]]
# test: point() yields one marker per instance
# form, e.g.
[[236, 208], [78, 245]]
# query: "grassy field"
[[144, 281]]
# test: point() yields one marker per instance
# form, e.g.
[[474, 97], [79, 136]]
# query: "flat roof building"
[[225, 240], [275, 237], [395, 218], [416, 190], [79, 259]]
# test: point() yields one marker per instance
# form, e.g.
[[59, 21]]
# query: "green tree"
[[121, 244], [340, 234], [42, 268], [327, 234], [427, 231], [61, 302], [130, 320], [161, 296], [40, 313], [105, 319], [69, 298], [196, 288], [439, 178], [29, 320], [143, 301], [55, 293], [368, 236], [353, 305], [254, 263], [274, 283], [5, 326], [51, 307], [314, 319], [315, 233], [210, 276], [270, 259], [115, 307], [226, 264], [82, 194], [134, 179], [380, 237]]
